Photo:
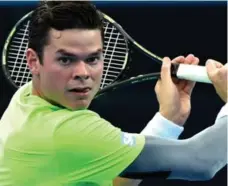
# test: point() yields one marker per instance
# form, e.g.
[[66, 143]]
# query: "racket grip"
[[190, 72]]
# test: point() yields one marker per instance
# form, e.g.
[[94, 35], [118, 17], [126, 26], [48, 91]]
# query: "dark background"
[[167, 29]]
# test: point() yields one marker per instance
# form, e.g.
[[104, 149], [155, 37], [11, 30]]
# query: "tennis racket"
[[118, 47]]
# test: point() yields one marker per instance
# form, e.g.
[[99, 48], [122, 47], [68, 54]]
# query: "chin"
[[79, 108], [79, 105]]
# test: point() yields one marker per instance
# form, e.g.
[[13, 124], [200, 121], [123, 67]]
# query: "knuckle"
[[165, 67], [156, 88]]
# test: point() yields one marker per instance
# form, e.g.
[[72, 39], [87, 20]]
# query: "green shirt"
[[52, 146]]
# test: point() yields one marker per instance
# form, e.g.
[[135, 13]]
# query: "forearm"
[[207, 151], [208, 148], [197, 158], [200, 143]]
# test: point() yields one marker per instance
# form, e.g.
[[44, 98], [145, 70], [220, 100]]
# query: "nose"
[[81, 71]]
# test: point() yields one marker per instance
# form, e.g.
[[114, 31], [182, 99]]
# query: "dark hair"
[[61, 15]]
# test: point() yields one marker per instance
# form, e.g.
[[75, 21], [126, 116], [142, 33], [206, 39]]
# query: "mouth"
[[80, 91]]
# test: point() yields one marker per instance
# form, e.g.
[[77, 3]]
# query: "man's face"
[[72, 68]]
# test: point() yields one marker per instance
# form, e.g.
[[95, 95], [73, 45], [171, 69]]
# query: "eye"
[[65, 60], [93, 59]]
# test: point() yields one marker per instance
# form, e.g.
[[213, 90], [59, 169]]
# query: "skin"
[[81, 67], [178, 105], [217, 72]]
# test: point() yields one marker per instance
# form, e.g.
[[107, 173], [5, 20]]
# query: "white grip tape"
[[193, 73]]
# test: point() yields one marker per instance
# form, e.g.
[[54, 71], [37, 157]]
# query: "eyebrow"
[[69, 54]]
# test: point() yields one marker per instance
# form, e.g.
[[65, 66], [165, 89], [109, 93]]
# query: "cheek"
[[55, 79], [99, 71]]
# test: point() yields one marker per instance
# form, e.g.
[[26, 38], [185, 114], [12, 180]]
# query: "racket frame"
[[5, 50], [128, 39], [26, 16]]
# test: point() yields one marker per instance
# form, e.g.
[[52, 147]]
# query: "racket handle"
[[191, 72]]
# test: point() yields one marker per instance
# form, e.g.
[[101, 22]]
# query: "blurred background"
[[167, 29]]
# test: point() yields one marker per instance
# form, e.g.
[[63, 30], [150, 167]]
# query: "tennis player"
[[50, 138]]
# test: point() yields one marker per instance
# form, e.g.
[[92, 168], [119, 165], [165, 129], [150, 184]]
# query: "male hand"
[[174, 95]]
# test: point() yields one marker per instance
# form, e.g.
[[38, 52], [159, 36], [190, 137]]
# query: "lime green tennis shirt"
[[51, 146]]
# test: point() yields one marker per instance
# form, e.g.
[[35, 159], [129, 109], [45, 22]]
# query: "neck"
[[35, 89]]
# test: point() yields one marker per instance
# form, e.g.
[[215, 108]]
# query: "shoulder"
[[86, 125], [81, 123]]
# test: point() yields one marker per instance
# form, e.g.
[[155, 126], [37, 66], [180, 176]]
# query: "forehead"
[[75, 39]]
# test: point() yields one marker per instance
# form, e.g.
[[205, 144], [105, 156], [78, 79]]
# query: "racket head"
[[14, 62]]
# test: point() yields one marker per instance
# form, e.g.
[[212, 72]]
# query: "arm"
[[218, 74], [196, 158]]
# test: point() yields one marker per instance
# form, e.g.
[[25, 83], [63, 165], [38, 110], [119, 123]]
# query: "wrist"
[[161, 127], [178, 119]]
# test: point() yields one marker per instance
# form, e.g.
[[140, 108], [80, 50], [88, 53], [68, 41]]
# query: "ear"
[[33, 61]]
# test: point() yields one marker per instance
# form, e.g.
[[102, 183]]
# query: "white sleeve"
[[161, 127], [223, 112], [197, 158]]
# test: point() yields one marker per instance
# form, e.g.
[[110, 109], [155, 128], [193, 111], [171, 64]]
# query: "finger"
[[184, 84], [166, 70], [191, 59], [222, 72], [212, 69], [195, 61], [211, 66], [216, 63], [179, 59], [157, 86], [189, 87]]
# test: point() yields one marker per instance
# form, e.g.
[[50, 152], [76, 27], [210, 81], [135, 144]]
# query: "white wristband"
[[161, 127]]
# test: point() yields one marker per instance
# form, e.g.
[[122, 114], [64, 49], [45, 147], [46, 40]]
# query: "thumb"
[[166, 70], [211, 67]]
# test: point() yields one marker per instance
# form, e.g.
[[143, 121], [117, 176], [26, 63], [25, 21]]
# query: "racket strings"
[[115, 55], [16, 56], [108, 54]]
